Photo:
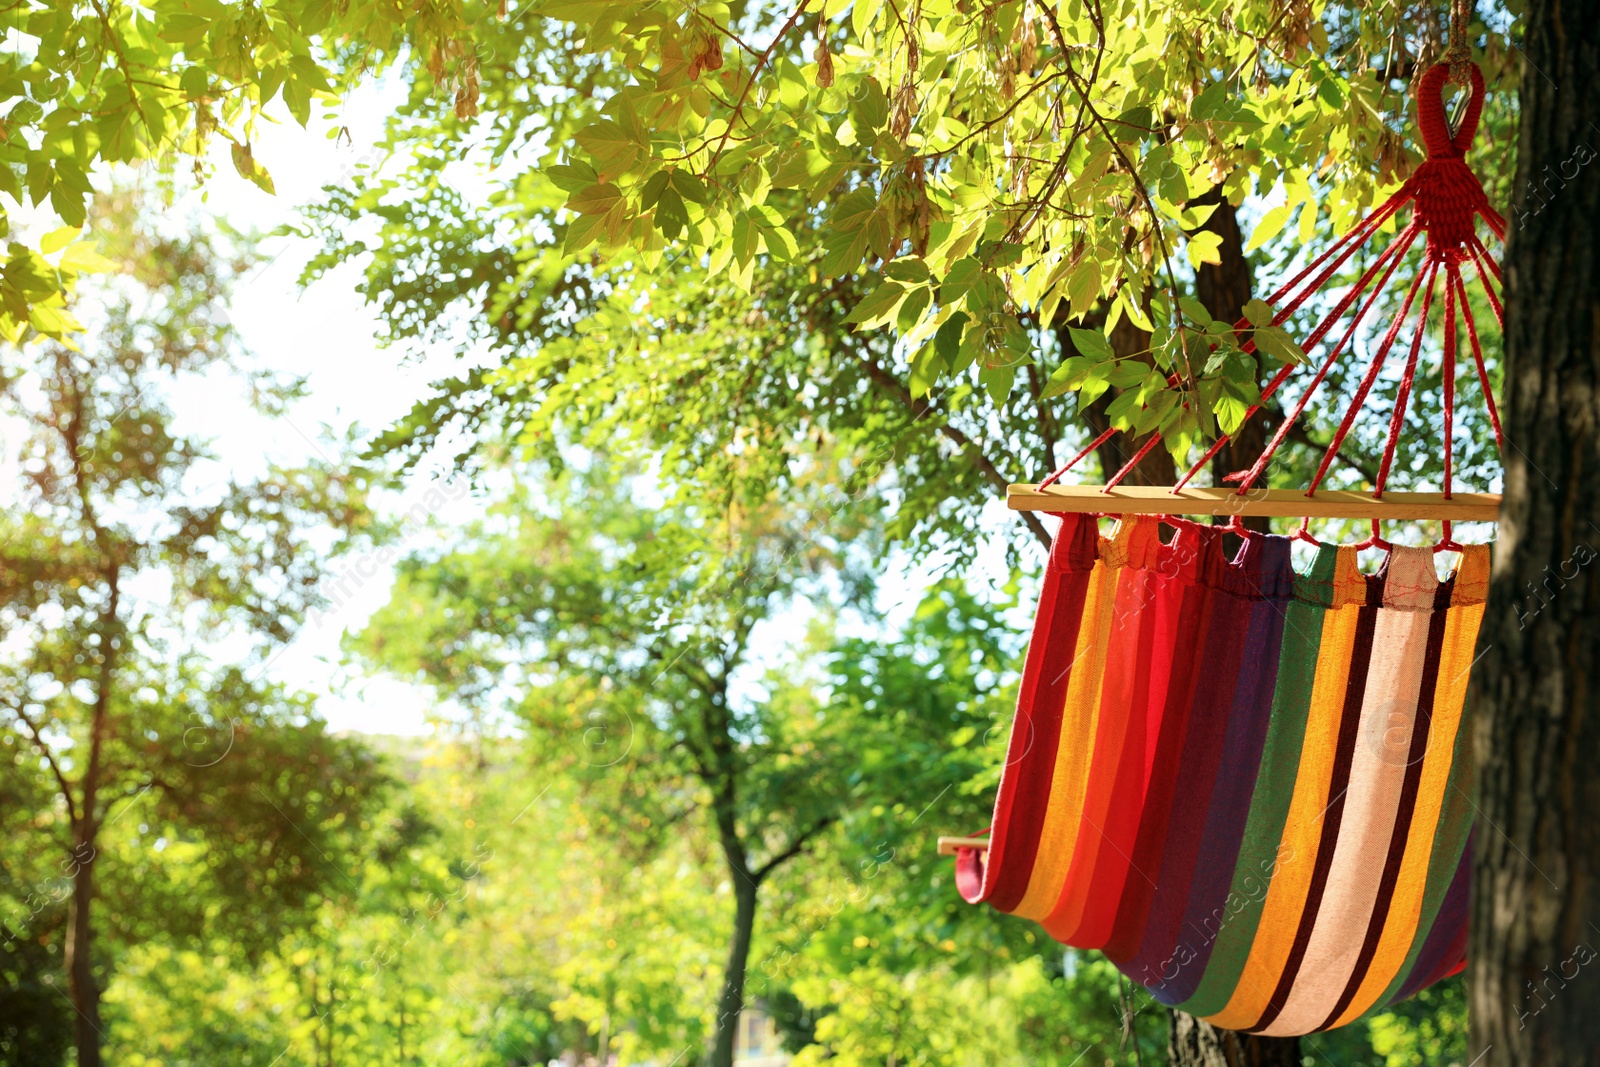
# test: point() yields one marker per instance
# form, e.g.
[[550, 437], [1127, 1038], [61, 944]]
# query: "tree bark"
[[1156, 468], [1533, 985], [730, 1004], [1225, 288], [1193, 1043], [79, 958]]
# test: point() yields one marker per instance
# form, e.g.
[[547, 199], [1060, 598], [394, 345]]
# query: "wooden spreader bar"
[[1280, 503], [948, 845]]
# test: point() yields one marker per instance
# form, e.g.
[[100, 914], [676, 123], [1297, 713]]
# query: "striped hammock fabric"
[[1245, 785]]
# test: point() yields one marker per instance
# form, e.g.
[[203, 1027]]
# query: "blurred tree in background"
[[174, 797]]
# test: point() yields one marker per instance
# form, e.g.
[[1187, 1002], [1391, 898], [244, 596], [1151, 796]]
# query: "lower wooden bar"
[[948, 845]]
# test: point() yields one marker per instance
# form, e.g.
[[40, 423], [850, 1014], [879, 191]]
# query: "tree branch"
[[49, 758], [122, 56], [1301, 436], [894, 388], [797, 846], [755, 72]]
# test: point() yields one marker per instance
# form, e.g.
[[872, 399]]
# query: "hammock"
[[1248, 787], [1243, 785]]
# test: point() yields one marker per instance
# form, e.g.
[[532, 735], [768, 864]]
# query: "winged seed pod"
[[1026, 42], [824, 65], [905, 106]]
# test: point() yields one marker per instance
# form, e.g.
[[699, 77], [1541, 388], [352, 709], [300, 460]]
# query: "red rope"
[[1392, 255], [1448, 369], [1483, 373], [1357, 236], [1494, 301], [1447, 372], [1403, 398], [1266, 393], [1446, 200], [1407, 235], [1481, 255], [1366, 384], [1127, 467], [1073, 462]]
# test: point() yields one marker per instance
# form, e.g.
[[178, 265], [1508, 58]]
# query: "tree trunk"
[[1225, 288], [85, 829], [79, 954], [1156, 468], [1192, 1043], [1536, 880], [731, 1001]]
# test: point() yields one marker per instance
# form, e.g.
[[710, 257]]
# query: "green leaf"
[[1217, 104], [1134, 124], [1072, 373], [1092, 344], [908, 269], [595, 200], [997, 381], [959, 279], [570, 177], [296, 96], [194, 82], [690, 188], [1196, 312], [652, 189], [1230, 413], [56, 240], [862, 16], [1259, 313], [910, 313], [1054, 389], [582, 232], [1091, 390], [878, 306], [610, 145], [1276, 342], [1083, 286], [671, 213], [245, 163], [1178, 433], [854, 209], [53, 322], [1269, 227], [84, 259], [1123, 410], [869, 108], [1204, 247], [1127, 374], [947, 342], [925, 369], [1135, 313]]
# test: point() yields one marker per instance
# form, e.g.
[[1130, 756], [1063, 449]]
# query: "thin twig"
[[755, 72], [49, 758]]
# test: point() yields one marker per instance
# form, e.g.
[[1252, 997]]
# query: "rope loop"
[[1442, 141]]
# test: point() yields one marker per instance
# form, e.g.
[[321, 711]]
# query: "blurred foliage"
[[554, 944], [159, 792]]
